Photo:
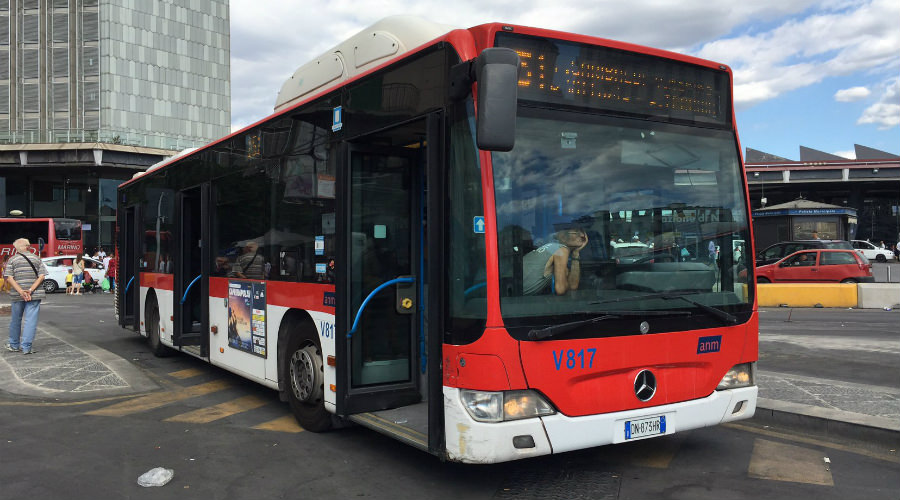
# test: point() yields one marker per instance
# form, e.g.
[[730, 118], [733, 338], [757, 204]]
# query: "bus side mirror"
[[496, 71]]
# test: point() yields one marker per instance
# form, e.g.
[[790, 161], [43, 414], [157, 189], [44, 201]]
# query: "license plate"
[[645, 427]]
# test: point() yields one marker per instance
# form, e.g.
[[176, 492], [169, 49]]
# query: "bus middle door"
[[191, 268]]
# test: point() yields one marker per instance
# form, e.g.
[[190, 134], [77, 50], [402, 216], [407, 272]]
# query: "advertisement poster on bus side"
[[247, 317]]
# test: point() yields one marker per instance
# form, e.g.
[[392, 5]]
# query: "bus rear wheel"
[[153, 339], [305, 379]]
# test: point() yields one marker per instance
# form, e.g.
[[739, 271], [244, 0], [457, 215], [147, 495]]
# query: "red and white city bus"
[[48, 236], [369, 249]]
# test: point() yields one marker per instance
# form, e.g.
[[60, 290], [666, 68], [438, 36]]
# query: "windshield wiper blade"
[[718, 313], [550, 331], [542, 333], [725, 316]]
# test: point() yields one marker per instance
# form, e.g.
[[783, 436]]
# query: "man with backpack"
[[25, 273]]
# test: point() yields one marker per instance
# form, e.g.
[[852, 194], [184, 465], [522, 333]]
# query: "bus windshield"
[[650, 209]]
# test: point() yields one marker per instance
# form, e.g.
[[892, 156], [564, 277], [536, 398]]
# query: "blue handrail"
[[129, 284], [375, 292], [472, 288], [189, 288]]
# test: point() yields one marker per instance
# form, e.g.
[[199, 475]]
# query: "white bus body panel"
[[371, 47], [470, 441]]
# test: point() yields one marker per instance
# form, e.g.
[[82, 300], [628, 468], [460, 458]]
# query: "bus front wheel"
[[304, 376]]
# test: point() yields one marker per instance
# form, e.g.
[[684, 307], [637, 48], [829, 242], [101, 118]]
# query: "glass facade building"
[[92, 91]]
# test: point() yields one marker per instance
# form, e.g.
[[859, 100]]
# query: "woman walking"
[[77, 274]]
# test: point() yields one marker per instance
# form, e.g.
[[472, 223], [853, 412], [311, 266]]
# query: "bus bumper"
[[574, 433], [470, 441]]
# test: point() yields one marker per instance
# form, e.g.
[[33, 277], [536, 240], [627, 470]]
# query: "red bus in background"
[[48, 236]]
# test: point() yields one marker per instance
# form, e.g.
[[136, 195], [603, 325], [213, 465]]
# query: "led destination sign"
[[597, 77]]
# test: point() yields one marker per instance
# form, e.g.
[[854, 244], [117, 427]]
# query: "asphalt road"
[[860, 345], [97, 447]]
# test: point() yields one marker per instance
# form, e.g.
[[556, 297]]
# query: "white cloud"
[[886, 112], [848, 38], [850, 155], [851, 94]]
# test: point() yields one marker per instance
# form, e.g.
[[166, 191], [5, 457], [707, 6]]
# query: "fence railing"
[[60, 136]]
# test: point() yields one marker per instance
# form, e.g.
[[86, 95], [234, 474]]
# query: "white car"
[[871, 251], [58, 267]]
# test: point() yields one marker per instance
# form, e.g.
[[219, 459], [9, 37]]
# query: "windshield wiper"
[[550, 331], [718, 313]]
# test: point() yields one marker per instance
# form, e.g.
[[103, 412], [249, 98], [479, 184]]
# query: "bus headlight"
[[739, 376], [485, 406]]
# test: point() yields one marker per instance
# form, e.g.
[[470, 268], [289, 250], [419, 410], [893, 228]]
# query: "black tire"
[[881, 258], [849, 281], [760, 279], [156, 346], [50, 286], [304, 377]]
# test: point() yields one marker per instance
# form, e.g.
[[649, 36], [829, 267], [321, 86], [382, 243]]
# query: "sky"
[[822, 74]]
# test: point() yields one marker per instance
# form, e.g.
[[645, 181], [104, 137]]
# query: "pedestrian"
[[111, 270], [3, 286], [24, 272], [69, 282], [77, 274]]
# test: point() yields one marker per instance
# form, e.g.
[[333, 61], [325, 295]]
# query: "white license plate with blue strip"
[[645, 427]]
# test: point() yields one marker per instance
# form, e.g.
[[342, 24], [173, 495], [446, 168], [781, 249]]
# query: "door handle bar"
[[129, 284], [189, 288], [375, 292]]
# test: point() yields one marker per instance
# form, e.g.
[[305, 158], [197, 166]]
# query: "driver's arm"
[[565, 279]]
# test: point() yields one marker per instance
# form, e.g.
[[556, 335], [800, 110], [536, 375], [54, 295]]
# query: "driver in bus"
[[557, 262]]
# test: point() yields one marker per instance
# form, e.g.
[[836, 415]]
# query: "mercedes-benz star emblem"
[[645, 385]]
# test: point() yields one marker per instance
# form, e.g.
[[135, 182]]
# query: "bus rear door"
[[128, 291]]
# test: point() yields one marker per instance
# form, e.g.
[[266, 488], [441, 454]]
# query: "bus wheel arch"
[[301, 371], [152, 321]]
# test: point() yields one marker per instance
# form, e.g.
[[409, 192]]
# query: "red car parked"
[[818, 265]]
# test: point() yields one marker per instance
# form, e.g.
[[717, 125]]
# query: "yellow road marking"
[[816, 442], [153, 401], [219, 411], [66, 403], [787, 462], [190, 372], [652, 453], [286, 423]]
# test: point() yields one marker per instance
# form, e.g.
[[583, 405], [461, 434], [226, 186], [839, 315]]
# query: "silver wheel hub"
[[306, 375]]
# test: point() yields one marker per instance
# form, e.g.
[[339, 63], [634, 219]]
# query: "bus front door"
[[378, 305], [191, 268]]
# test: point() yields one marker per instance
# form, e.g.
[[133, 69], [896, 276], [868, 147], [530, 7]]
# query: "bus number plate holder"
[[645, 427]]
